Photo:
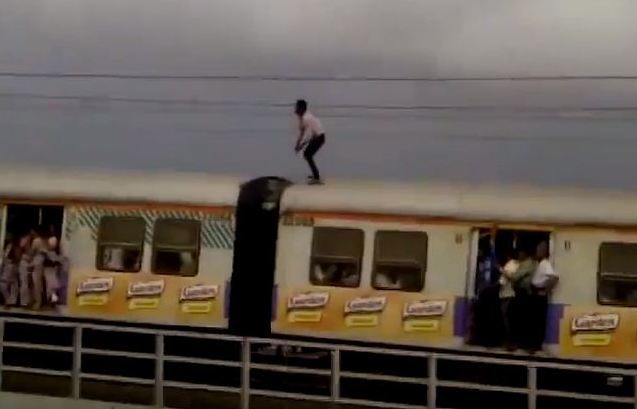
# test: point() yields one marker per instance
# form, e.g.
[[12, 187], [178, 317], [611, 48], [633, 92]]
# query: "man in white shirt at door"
[[543, 281]]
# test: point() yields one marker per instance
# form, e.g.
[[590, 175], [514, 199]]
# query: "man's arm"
[[523, 270], [299, 139]]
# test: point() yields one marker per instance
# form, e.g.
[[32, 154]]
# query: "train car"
[[154, 248], [398, 264], [388, 263]]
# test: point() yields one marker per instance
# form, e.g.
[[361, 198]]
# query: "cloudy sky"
[[569, 132]]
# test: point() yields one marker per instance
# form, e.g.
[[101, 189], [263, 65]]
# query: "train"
[[262, 256]]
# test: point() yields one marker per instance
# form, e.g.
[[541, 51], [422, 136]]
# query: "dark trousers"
[[486, 322], [312, 147], [530, 320], [537, 320], [507, 309]]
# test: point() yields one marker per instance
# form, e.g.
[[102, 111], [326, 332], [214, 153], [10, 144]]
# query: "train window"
[[120, 244], [176, 246], [336, 256], [400, 260], [617, 278]]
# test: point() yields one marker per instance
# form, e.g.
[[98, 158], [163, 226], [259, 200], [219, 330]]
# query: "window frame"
[[614, 277], [155, 247], [337, 259], [99, 254], [401, 263]]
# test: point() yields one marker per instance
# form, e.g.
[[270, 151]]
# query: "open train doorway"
[[492, 287], [25, 219], [496, 247], [253, 266], [31, 232]]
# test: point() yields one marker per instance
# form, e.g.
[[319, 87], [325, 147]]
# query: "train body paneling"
[[167, 297], [345, 313], [579, 323], [385, 263], [581, 331], [152, 248]]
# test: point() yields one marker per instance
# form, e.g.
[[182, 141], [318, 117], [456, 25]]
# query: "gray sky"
[[532, 131]]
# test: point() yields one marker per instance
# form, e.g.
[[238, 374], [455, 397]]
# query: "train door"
[[256, 232], [492, 248], [20, 220], [42, 219]]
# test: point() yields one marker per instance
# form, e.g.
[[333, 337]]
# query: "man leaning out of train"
[[519, 308], [544, 280], [534, 280]]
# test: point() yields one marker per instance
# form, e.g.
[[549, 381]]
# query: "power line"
[[265, 78], [411, 111], [195, 102]]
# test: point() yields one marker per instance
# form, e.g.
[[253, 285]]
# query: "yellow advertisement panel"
[[148, 298], [599, 332], [385, 316]]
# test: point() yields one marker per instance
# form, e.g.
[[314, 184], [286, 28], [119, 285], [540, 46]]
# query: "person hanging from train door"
[[543, 281], [9, 276], [507, 295], [38, 249], [487, 264], [521, 304], [311, 138], [52, 264], [25, 269], [486, 304]]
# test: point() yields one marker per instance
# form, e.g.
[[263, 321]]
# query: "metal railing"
[[78, 360]]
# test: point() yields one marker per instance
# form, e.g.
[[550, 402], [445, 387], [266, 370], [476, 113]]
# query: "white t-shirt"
[[542, 273], [506, 287], [311, 125]]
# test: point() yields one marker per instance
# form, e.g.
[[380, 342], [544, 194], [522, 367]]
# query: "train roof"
[[530, 204], [22, 182], [521, 204]]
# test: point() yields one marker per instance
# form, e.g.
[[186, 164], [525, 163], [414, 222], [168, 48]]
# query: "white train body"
[[355, 231]]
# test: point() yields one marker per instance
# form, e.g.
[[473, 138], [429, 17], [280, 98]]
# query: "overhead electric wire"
[[287, 105], [370, 112], [309, 78]]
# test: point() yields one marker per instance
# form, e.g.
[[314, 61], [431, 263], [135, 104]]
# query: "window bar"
[[245, 374], [532, 385], [77, 362], [432, 374], [159, 370], [336, 375]]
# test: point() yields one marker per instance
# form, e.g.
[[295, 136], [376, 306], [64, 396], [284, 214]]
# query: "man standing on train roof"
[[311, 137]]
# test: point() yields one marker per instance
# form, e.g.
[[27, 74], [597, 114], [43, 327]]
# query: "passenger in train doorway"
[[52, 264], [507, 296], [311, 138], [25, 268], [39, 265], [519, 310], [544, 280], [9, 283], [485, 329], [39, 248]]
